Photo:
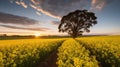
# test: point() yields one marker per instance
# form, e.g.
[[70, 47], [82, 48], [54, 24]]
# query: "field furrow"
[[106, 49], [102, 51], [26, 52], [72, 54]]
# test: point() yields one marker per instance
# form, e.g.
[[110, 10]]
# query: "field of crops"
[[26, 52], [106, 49], [97, 51], [72, 54], [102, 51]]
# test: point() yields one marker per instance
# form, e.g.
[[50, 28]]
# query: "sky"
[[29, 17]]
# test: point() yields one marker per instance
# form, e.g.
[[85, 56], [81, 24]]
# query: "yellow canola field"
[[105, 48], [26, 52]]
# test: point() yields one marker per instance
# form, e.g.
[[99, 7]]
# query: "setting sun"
[[37, 34]]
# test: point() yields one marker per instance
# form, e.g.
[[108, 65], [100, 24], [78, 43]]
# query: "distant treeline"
[[30, 37], [43, 37], [15, 37]]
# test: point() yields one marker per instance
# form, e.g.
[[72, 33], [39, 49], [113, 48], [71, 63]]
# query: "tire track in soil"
[[50, 61]]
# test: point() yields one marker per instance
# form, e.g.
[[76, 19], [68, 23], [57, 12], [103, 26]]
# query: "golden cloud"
[[38, 13], [43, 11], [22, 3], [58, 8]]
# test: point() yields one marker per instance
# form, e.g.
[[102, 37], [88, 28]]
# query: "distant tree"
[[77, 22], [4, 34]]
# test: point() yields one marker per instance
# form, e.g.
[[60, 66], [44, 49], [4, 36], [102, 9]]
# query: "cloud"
[[56, 23], [24, 28], [59, 8], [43, 11], [22, 3], [38, 13], [13, 19], [99, 4], [35, 1], [56, 8], [1, 32]]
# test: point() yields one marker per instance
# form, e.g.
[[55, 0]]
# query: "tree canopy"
[[77, 22]]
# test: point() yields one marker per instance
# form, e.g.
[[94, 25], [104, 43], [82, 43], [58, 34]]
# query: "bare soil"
[[50, 61]]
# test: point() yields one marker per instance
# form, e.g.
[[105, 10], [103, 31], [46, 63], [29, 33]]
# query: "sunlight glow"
[[37, 34]]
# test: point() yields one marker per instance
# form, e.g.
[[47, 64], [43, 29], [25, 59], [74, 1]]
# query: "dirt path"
[[50, 61]]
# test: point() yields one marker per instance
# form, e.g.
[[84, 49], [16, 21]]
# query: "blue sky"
[[44, 16]]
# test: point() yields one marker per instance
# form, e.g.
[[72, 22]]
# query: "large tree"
[[77, 22]]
